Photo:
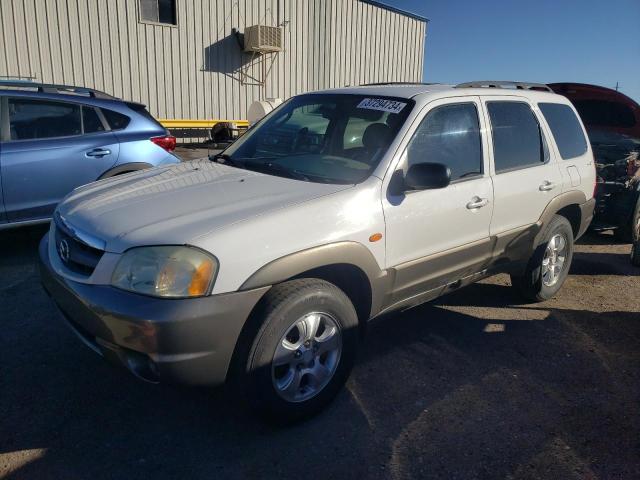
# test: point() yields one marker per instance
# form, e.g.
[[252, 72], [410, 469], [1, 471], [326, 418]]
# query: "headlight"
[[171, 271]]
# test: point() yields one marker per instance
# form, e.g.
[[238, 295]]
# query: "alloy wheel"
[[554, 259], [306, 357]]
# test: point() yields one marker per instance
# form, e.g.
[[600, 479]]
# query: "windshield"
[[328, 138]]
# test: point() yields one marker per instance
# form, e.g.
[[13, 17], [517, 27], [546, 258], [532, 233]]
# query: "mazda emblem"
[[63, 250]]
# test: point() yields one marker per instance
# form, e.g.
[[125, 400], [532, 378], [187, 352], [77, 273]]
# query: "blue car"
[[54, 138]]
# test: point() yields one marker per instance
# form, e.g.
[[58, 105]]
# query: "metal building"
[[188, 59]]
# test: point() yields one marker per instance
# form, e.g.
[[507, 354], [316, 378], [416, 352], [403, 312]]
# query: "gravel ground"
[[475, 385]]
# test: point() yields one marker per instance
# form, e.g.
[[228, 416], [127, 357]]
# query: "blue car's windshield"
[[329, 138]]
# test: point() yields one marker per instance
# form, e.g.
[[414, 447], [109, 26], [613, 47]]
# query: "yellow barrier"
[[177, 123]]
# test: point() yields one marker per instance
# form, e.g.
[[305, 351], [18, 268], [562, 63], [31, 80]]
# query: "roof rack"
[[507, 84], [395, 83], [53, 88]]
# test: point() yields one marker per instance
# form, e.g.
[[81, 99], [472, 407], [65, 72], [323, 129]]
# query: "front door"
[[441, 235], [52, 147]]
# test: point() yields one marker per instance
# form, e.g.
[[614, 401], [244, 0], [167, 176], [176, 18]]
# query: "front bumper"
[[188, 341]]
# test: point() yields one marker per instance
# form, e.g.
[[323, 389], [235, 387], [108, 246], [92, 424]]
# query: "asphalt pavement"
[[474, 385]]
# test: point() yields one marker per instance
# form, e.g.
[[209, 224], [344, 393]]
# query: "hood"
[[175, 204]]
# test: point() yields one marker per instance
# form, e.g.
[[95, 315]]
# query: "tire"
[[284, 378], [538, 284], [635, 248]]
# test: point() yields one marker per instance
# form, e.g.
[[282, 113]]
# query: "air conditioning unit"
[[262, 39]]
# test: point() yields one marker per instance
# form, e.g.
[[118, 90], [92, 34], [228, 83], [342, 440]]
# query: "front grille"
[[76, 255]]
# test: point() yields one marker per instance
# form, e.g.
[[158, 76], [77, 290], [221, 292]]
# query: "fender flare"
[[346, 252], [125, 168], [574, 197]]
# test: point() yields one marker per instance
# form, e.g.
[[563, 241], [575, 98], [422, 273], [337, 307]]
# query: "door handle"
[[546, 186], [477, 202], [98, 152]]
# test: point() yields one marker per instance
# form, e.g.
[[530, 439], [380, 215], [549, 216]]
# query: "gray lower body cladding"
[[187, 341]]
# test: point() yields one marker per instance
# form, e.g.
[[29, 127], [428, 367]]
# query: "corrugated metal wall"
[[193, 70]]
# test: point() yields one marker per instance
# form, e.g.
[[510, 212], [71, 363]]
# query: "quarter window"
[[91, 123], [517, 140], [116, 121], [449, 135], [565, 128], [33, 119]]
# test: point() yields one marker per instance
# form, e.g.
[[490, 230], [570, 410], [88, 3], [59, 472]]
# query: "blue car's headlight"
[[166, 271]]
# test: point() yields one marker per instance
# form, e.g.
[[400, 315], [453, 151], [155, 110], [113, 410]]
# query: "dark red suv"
[[613, 122]]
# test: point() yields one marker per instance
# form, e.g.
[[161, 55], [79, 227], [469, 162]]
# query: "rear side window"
[[33, 119], [116, 121], [517, 141], [91, 122], [449, 135], [565, 128]]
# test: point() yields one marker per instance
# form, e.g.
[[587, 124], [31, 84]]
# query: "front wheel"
[[549, 265], [303, 351]]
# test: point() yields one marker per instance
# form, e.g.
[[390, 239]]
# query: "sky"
[[584, 41]]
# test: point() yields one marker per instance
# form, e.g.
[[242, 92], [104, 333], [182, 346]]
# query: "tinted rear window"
[[565, 128], [116, 121], [517, 141]]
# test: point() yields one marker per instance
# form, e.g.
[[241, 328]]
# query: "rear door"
[[526, 175], [52, 147]]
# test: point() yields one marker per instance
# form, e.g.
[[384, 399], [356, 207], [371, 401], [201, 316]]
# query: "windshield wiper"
[[266, 167], [252, 163], [226, 160]]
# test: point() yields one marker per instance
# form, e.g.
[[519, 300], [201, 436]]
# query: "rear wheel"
[[549, 265], [302, 352]]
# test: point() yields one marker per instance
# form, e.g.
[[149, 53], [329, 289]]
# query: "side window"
[[116, 121], [91, 122], [33, 119], [449, 135], [517, 140], [565, 128]]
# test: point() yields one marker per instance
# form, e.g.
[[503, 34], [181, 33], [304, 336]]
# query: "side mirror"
[[425, 176]]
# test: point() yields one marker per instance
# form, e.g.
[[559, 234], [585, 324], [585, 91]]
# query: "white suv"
[[264, 264]]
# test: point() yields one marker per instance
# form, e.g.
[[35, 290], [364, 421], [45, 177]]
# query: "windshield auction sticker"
[[382, 104]]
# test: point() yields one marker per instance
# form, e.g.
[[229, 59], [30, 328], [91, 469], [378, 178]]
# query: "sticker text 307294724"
[[382, 104]]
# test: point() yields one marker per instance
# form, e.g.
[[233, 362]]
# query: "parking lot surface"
[[475, 385]]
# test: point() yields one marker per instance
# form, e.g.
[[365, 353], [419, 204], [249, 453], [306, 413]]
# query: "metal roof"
[[397, 10]]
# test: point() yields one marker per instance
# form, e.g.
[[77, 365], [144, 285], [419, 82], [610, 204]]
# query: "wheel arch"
[[568, 205], [348, 265]]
